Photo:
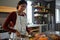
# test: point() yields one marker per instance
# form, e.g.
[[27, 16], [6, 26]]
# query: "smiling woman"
[[7, 9]]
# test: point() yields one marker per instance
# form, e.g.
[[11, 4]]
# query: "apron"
[[20, 25]]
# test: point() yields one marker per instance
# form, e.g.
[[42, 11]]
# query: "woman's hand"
[[18, 34]]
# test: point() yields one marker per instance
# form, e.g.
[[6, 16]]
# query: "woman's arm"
[[6, 24]]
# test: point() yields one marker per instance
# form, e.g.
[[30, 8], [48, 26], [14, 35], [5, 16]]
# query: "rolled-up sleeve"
[[6, 26]]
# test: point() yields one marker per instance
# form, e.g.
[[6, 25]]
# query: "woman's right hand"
[[18, 34]]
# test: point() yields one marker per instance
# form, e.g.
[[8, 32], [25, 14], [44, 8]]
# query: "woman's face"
[[22, 7]]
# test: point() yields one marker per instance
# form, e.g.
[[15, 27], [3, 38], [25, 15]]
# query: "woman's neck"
[[19, 13]]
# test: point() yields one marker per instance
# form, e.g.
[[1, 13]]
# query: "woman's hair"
[[21, 2]]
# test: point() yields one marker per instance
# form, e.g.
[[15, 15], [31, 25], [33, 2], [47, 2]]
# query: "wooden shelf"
[[7, 9], [36, 25], [41, 7], [38, 7], [40, 12], [35, 30]]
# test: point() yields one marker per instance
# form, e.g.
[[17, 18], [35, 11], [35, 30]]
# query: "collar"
[[23, 14]]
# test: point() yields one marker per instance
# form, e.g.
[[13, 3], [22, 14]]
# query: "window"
[[57, 15], [29, 12]]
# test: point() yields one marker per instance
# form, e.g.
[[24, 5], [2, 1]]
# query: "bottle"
[[48, 5], [38, 4]]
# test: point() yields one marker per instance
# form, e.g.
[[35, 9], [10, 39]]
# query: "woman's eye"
[[23, 6]]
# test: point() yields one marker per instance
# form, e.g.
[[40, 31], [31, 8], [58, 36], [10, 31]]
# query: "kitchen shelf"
[[38, 7], [40, 12], [37, 28], [7, 9], [36, 25], [41, 7]]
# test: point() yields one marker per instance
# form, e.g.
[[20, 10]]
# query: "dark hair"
[[21, 2]]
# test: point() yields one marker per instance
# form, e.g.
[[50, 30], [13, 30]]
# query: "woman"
[[16, 21]]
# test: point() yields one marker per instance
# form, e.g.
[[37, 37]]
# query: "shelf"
[[40, 12], [38, 7], [41, 7], [35, 30], [2, 31], [36, 25], [37, 14], [41, 15], [7, 9]]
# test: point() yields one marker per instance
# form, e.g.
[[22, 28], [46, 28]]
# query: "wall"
[[57, 6], [11, 3], [3, 16]]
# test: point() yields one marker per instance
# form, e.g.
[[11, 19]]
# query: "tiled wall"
[[3, 17], [11, 3]]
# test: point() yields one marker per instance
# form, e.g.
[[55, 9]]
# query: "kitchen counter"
[[1, 30], [39, 25], [35, 25]]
